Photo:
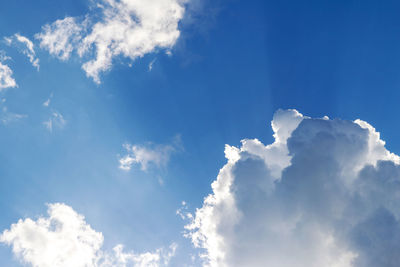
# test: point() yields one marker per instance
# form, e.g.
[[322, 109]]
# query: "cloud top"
[[323, 194]]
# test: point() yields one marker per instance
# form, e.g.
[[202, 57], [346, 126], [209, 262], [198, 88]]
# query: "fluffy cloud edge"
[[64, 239], [150, 154], [126, 28], [6, 75], [249, 219]]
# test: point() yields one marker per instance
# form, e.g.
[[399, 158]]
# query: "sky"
[[199, 133]]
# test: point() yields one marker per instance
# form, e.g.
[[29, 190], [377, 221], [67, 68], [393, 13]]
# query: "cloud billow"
[[65, 239], [325, 193], [6, 76], [128, 28]]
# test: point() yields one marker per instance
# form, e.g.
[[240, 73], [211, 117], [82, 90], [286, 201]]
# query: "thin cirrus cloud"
[[26, 46], [56, 120], [48, 101], [7, 116], [128, 28], [325, 193], [151, 154], [65, 239]]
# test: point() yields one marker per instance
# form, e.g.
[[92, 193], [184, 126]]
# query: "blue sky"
[[233, 65]]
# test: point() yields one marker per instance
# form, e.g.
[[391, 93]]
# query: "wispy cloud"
[[26, 46], [157, 155], [61, 37], [48, 101], [151, 64], [7, 116], [56, 120]]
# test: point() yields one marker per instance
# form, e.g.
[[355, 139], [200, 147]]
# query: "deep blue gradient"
[[221, 84]]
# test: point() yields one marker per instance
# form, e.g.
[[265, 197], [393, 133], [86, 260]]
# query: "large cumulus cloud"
[[325, 193]]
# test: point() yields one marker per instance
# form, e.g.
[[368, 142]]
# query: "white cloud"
[[65, 239], [150, 154], [48, 101], [183, 212], [27, 48], [61, 37], [56, 120], [325, 193], [150, 68], [6, 79], [128, 28], [160, 257], [7, 116], [3, 56]]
